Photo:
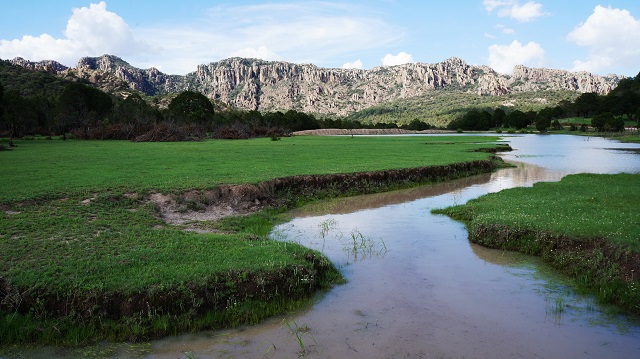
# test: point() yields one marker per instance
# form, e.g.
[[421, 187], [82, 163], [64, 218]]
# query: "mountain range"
[[253, 84]]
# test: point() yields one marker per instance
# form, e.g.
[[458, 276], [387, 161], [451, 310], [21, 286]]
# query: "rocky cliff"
[[267, 85]]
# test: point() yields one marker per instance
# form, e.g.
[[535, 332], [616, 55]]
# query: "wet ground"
[[417, 288]]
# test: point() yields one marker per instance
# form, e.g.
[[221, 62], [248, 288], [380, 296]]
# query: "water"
[[417, 288]]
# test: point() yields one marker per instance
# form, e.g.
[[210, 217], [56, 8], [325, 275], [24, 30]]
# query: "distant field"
[[576, 120], [51, 168]]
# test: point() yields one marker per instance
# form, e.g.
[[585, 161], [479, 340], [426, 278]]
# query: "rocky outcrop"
[[49, 66], [269, 85], [531, 79]]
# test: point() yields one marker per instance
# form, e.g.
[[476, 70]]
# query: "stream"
[[417, 288]]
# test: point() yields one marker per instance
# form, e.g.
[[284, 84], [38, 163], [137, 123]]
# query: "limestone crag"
[[531, 79], [274, 85], [49, 66]]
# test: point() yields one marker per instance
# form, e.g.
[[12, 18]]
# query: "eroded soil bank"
[[163, 310], [226, 200], [610, 270]]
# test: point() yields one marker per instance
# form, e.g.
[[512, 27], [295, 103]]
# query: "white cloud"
[[613, 39], [90, 31], [505, 30], [353, 65], [503, 58], [490, 36], [300, 32], [303, 32], [399, 59], [491, 5], [261, 52], [512, 8]]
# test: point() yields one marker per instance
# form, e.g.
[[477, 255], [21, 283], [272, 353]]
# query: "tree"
[[82, 106], [191, 108], [1, 114], [476, 120], [135, 110], [607, 122], [586, 104], [416, 125], [542, 123], [19, 114], [518, 119], [543, 119], [499, 117]]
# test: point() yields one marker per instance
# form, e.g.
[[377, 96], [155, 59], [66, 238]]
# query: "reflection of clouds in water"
[[574, 154]]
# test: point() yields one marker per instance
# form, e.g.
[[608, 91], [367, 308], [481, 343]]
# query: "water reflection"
[[488, 303], [568, 154], [432, 293], [417, 287]]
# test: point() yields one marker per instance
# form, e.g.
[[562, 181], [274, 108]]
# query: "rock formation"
[[273, 85]]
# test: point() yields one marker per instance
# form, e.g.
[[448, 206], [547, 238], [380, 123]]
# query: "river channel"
[[417, 288]]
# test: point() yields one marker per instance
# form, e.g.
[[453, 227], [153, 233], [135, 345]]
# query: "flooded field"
[[417, 288]]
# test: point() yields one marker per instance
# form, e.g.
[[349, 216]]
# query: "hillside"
[[272, 85]]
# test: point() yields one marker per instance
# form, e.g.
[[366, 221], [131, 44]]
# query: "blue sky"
[[602, 37]]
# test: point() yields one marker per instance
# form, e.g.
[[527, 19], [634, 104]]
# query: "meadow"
[[85, 256], [41, 168], [586, 225]]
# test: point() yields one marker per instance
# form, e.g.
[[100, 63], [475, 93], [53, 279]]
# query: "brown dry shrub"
[[170, 132]]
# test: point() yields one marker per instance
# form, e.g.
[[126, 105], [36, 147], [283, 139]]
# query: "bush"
[[170, 132]]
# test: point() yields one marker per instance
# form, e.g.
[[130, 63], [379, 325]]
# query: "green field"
[[53, 168], [587, 225], [85, 257]]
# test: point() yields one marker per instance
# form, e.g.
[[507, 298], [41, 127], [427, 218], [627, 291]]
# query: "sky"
[[601, 37]]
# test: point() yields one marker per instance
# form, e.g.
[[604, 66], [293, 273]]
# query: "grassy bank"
[[587, 225], [84, 255], [54, 168]]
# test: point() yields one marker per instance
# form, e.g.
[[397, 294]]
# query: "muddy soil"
[[228, 200]]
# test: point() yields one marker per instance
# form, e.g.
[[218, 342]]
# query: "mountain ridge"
[[253, 84]]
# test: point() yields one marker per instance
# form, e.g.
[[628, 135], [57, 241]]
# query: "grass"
[[56, 168], [587, 225], [84, 257], [439, 108]]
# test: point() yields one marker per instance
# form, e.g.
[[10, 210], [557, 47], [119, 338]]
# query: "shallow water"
[[418, 288]]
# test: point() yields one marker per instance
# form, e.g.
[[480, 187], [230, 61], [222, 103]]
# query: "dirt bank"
[[163, 310], [226, 200], [609, 270]]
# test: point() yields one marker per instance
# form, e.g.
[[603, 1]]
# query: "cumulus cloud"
[[613, 39], [513, 9], [399, 59], [353, 65], [302, 32], [90, 31], [503, 58], [261, 52]]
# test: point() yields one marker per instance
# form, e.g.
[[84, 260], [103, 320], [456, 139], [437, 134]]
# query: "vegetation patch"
[[75, 271], [586, 225], [93, 258]]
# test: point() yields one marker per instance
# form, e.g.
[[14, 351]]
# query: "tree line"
[[607, 112], [35, 102]]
